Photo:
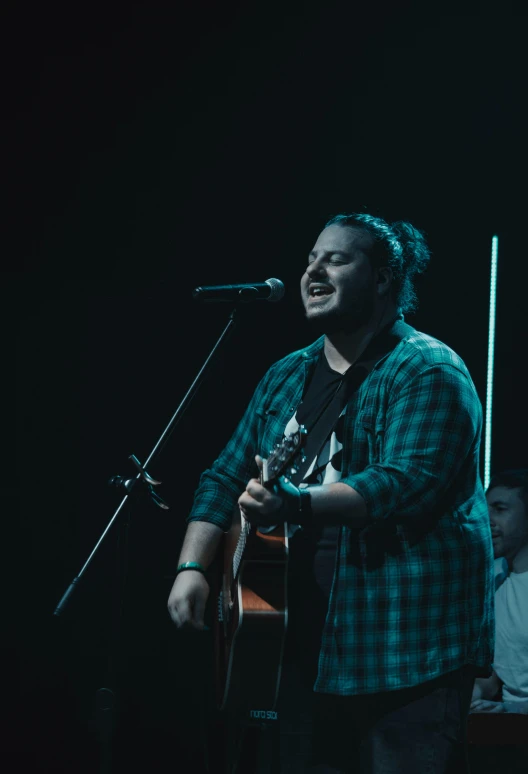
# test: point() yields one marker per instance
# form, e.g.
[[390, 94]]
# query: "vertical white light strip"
[[491, 359]]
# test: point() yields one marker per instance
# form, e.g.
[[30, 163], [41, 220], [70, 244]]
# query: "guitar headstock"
[[283, 458]]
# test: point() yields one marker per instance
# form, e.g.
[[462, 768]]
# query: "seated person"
[[507, 688]]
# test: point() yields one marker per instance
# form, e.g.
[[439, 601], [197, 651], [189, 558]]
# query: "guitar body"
[[251, 619], [252, 614]]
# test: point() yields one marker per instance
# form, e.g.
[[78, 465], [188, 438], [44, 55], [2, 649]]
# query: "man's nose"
[[316, 269]]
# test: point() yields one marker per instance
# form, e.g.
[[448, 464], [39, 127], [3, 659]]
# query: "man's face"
[[508, 520], [338, 287]]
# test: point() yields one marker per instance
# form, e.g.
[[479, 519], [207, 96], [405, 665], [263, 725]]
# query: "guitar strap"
[[388, 338]]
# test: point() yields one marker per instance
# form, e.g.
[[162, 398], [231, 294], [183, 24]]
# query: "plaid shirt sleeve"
[[431, 427], [221, 485]]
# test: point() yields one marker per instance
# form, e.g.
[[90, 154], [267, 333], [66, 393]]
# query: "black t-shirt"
[[313, 551]]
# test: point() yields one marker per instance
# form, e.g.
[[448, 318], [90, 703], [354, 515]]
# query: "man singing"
[[391, 571]]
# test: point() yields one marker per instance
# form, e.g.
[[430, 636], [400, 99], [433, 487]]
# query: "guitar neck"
[[279, 461], [241, 545]]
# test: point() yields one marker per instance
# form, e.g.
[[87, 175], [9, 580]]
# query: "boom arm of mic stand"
[[162, 440]]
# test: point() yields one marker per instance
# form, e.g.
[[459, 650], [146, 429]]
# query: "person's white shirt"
[[511, 633]]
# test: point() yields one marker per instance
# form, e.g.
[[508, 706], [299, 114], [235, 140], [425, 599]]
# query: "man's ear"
[[384, 280]]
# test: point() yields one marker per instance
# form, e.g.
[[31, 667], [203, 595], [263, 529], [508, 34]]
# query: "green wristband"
[[190, 566]]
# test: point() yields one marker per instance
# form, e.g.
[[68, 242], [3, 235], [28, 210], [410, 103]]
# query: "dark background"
[[151, 148]]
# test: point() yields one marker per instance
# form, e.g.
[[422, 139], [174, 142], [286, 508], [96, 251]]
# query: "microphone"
[[270, 290]]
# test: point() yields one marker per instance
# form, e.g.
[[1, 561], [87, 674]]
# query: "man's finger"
[[198, 613], [255, 489], [174, 616], [184, 613]]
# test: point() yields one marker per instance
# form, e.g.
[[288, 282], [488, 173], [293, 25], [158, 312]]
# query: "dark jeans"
[[418, 730]]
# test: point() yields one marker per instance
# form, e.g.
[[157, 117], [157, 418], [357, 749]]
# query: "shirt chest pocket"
[[371, 428], [272, 421]]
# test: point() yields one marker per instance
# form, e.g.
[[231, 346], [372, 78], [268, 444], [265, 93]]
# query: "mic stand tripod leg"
[[105, 720], [106, 704]]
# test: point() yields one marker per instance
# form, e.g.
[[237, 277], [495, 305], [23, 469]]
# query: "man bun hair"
[[398, 245]]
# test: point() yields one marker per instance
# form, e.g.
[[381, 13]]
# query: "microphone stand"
[[105, 702]]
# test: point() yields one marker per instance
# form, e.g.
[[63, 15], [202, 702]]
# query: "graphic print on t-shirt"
[[326, 467]]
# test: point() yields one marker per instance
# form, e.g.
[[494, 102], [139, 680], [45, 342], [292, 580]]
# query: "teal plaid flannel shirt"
[[412, 596]]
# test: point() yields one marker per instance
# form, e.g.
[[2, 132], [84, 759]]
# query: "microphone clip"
[[128, 484]]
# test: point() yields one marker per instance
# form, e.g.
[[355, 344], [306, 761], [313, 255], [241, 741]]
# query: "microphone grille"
[[277, 289]]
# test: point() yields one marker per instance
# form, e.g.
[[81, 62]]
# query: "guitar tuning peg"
[[293, 471], [303, 458]]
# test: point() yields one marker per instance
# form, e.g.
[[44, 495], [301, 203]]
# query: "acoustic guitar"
[[252, 611]]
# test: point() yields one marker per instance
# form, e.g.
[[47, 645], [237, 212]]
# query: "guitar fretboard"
[[278, 462], [241, 545]]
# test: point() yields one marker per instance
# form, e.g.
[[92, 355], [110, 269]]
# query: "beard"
[[358, 313]]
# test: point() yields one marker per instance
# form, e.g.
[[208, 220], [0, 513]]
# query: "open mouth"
[[317, 291]]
